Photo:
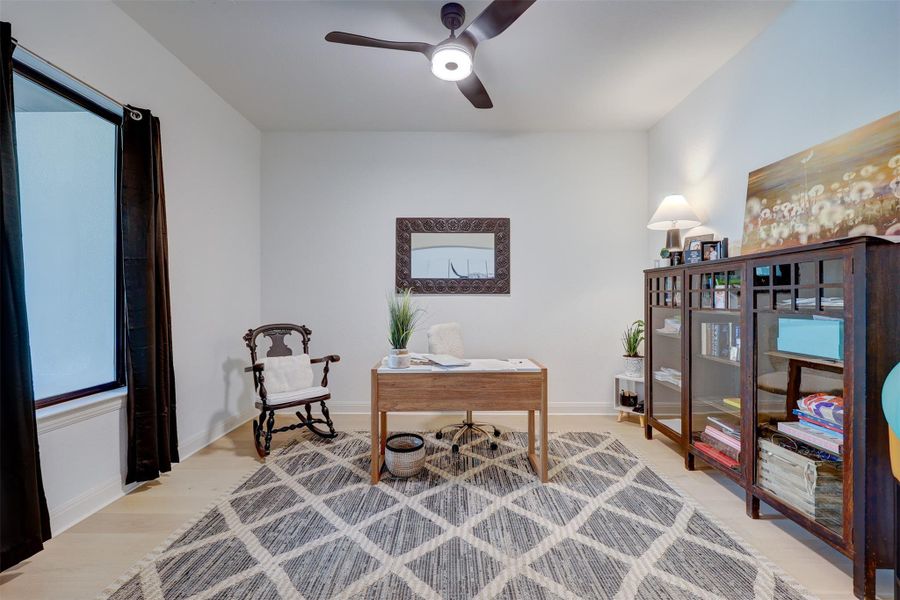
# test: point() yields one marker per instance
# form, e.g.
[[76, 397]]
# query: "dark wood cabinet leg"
[[689, 461], [648, 432], [864, 576], [752, 506]]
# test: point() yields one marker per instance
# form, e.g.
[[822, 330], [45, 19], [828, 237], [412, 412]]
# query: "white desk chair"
[[446, 338]]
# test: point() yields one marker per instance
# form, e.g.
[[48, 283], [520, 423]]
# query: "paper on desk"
[[475, 365]]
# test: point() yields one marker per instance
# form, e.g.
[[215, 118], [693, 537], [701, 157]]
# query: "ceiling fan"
[[453, 58]]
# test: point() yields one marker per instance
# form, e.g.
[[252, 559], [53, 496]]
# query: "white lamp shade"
[[674, 212]]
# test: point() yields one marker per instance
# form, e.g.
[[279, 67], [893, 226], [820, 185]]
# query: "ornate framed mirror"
[[451, 255]]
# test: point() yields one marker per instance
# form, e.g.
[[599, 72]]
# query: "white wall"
[[211, 160], [576, 203], [820, 70]]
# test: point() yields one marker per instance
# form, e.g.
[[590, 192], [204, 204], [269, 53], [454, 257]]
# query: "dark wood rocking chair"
[[305, 397]]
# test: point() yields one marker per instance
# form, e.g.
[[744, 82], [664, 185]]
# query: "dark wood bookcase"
[[717, 334]]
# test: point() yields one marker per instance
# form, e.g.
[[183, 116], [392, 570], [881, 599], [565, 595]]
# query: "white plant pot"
[[634, 366], [398, 358]]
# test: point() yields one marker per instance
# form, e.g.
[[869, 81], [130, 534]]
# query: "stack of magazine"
[[721, 440], [819, 423], [668, 375]]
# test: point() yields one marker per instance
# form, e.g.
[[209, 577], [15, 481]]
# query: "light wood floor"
[[82, 561]]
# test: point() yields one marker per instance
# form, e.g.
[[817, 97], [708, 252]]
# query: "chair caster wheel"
[[438, 435], [455, 449], [494, 445], [496, 433]]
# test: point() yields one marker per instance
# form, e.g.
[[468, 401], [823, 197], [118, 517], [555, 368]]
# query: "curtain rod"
[[135, 114]]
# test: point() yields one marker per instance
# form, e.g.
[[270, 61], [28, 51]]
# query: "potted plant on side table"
[[631, 342], [403, 319]]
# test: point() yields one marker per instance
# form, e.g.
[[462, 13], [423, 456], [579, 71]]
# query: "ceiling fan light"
[[451, 63]]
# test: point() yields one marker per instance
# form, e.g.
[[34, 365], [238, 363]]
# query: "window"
[[68, 158]]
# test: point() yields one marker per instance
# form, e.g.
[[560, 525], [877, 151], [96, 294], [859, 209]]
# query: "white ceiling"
[[564, 65]]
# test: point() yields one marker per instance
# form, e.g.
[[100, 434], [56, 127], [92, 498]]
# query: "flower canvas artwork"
[[844, 187]]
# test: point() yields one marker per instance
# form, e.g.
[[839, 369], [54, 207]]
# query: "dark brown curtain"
[[24, 520], [152, 432]]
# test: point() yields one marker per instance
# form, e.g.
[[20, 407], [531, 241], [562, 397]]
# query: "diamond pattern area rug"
[[308, 525]]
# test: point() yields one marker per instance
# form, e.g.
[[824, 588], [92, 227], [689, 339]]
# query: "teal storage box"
[[815, 337]]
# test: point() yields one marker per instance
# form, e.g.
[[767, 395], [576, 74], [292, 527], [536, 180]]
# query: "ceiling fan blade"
[[494, 20], [339, 37], [473, 89]]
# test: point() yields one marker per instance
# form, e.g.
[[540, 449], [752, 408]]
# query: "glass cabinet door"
[[664, 330], [715, 378], [798, 317]]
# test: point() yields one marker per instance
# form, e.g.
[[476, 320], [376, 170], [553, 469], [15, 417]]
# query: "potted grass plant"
[[632, 338], [404, 316]]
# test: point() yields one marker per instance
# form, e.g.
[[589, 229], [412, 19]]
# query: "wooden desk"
[[424, 389]]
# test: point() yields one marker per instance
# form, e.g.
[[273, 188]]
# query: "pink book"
[[723, 437], [800, 432]]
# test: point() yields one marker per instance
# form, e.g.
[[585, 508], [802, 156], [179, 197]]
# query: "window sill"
[[71, 412]]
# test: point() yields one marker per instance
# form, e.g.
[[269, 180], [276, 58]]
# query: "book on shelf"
[[725, 449], [722, 437], [718, 339], [672, 325], [810, 302], [733, 402], [727, 423], [716, 455], [814, 420], [668, 375], [813, 435]]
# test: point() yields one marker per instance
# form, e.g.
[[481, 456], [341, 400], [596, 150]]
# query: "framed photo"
[[723, 248], [693, 251], [693, 242], [711, 250]]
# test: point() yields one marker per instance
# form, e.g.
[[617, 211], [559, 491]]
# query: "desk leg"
[[376, 449], [545, 429], [532, 457], [544, 442], [530, 433], [376, 434], [384, 432]]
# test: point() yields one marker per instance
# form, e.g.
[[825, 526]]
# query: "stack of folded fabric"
[[820, 422]]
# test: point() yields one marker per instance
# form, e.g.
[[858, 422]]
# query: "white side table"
[[636, 385]]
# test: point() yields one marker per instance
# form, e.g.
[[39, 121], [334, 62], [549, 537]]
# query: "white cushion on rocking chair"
[[287, 373], [274, 400]]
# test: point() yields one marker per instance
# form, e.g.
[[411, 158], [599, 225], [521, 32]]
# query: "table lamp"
[[673, 215]]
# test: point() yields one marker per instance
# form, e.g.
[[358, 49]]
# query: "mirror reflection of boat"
[[452, 262], [469, 274]]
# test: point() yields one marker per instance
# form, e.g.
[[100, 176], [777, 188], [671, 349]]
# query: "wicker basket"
[[404, 454]]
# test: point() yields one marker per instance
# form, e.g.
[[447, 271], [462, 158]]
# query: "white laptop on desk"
[[445, 360]]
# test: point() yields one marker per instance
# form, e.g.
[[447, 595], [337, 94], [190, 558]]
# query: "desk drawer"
[[459, 391]]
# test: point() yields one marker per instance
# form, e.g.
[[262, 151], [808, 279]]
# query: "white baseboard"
[[87, 503], [203, 439]]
